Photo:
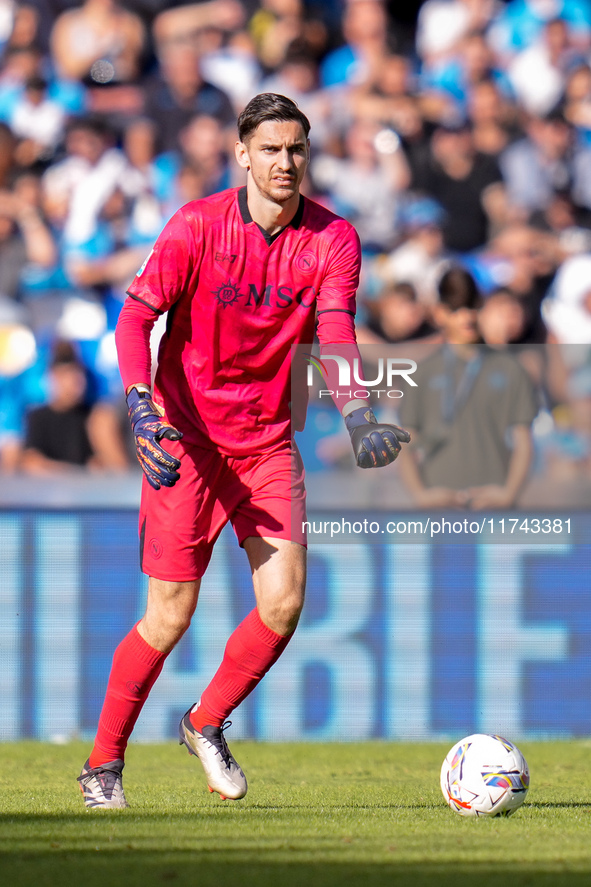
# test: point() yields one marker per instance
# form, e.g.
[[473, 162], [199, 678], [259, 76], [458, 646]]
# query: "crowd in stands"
[[463, 141]]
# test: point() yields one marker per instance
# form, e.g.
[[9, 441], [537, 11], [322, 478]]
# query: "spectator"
[[493, 118], [538, 75], [567, 309], [456, 77], [468, 185], [395, 316], [6, 22], [278, 24], [420, 258], [98, 31], [67, 432], [520, 23], [379, 96], [26, 30], [7, 149], [566, 223], [24, 237], [38, 121], [364, 186], [502, 320], [22, 64], [442, 25], [523, 259], [113, 255], [203, 144], [185, 24], [233, 66], [81, 183], [467, 402], [148, 182], [410, 122], [178, 92], [575, 102], [201, 154], [20, 385], [17, 66], [567, 312], [368, 41]]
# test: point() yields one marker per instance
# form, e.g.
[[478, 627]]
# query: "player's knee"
[[175, 623], [282, 614]]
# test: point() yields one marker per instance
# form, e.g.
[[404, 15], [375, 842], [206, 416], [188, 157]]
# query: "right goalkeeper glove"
[[149, 428], [375, 444]]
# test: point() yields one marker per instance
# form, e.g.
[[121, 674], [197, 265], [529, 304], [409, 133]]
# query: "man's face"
[[86, 144], [277, 155]]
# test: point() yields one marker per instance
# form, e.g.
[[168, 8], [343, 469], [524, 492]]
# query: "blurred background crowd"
[[451, 133]]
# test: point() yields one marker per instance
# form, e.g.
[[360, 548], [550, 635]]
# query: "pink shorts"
[[261, 495]]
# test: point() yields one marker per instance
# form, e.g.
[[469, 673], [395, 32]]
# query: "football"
[[484, 775]]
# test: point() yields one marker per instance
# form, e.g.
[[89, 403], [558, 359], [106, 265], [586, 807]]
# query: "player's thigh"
[[179, 525], [273, 502], [278, 569]]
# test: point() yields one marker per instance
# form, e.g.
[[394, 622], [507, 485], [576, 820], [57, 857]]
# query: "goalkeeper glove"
[[149, 428], [374, 444]]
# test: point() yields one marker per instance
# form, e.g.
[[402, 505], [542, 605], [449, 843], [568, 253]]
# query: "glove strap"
[[142, 390], [352, 405], [140, 405], [362, 416]]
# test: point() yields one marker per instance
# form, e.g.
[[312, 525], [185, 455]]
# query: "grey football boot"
[[224, 775], [102, 787]]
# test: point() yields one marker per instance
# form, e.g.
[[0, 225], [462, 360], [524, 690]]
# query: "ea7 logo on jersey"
[[227, 258], [227, 293]]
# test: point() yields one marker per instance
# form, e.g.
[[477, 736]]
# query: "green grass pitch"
[[315, 816]]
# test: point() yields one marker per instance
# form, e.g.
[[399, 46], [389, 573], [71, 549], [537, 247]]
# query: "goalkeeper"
[[242, 276]]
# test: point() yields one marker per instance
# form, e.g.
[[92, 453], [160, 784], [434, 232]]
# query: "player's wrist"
[[353, 405], [140, 406], [142, 389]]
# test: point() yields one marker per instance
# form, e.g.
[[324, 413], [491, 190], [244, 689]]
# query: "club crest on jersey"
[[306, 262], [227, 293]]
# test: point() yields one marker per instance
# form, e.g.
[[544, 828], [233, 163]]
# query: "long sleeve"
[[132, 338]]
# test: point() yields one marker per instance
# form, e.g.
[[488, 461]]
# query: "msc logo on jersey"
[[226, 294], [270, 296]]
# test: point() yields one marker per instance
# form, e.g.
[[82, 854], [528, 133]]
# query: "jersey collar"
[[247, 218]]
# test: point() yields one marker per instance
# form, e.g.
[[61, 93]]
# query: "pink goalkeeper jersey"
[[237, 300]]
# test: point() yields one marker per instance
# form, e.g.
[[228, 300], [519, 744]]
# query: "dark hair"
[[457, 289], [36, 83], [64, 353], [93, 123], [402, 288], [269, 106]]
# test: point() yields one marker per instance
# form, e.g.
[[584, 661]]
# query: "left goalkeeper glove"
[[374, 444], [149, 428]]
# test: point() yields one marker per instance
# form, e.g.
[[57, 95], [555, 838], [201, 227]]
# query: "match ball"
[[484, 775]]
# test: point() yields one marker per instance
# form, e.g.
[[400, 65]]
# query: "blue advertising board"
[[400, 641]]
